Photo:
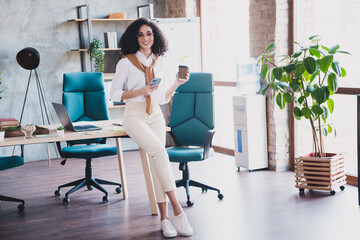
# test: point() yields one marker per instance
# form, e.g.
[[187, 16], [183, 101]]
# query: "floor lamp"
[[29, 59]]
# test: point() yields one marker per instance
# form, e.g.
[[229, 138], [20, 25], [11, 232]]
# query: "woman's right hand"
[[148, 90]]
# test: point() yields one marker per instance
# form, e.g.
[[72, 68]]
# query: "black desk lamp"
[[29, 59]]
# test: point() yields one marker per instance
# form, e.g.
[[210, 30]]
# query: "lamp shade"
[[28, 58]]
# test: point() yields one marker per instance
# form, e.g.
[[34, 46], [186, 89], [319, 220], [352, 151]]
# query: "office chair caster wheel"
[[21, 207], [332, 192], [66, 201], [89, 187], [118, 189], [105, 199], [57, 193], [220, 196], [189, 203], [203, 190], [342, 188]]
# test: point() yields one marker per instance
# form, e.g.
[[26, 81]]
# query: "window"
[[225, 34], [336, 21]]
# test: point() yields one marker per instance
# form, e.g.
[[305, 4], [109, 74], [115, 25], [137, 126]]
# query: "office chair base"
[[21, 206], [186, 182], [88, 181]]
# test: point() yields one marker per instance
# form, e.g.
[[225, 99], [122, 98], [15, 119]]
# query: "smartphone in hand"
[[183, 70], [155, 81]]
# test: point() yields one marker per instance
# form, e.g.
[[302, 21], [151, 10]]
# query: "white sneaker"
[[168, 229], [182, 225]]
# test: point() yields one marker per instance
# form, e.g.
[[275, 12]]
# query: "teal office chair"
[[192, 124], [7, 163], [84, 100]]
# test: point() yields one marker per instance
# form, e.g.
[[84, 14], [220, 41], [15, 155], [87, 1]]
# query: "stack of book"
[[8, 122], [110, 40]]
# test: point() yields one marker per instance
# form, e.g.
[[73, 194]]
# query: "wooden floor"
[[257, 205]]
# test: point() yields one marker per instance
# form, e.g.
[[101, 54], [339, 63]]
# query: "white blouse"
[[128, 78]]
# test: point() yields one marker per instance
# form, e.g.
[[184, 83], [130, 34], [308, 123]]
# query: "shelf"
[[101, 20], [116, 106], [104, 49], [108, 76]]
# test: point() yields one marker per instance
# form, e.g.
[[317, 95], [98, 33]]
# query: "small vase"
[[28, 130], [60, 133], [2, 136]]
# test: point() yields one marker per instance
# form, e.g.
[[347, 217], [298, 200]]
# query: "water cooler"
[[249, 120]]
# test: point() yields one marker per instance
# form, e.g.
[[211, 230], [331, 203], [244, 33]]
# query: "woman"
[[143, 45]]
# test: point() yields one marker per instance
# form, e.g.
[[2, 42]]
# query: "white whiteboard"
[[183, 35]]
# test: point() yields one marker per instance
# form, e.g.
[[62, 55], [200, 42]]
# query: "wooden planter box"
[[317, 173]]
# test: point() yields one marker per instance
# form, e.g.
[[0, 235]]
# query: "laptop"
[[66, 122]]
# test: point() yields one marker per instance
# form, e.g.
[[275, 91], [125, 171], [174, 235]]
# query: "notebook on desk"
[[66, 122]]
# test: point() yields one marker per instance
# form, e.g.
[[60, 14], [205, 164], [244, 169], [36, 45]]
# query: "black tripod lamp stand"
[[29, 59]]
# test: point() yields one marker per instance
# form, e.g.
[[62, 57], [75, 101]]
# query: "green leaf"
[[317, 109], [333, 49], [263, 91], [312, 37], [301, 99], [329, 128], [325, 114], [280, 101], [343, 72], [319, 95], [315, 52], [294, 85], [264, 71], [310, 89], [277, 73], [330, 104], [306, 112], [344, 52], [297, 113], [325, 62], [284, 78], [327, 93], [332, 83], [269, 47], [310, 64], [313, 76], [296, 54], [336, 68], [282, 85], [299, 69], [324, 131], [325, 48], [289, 68], [287, 97]]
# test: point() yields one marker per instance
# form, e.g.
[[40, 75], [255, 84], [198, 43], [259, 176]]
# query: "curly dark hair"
[[129, 42]]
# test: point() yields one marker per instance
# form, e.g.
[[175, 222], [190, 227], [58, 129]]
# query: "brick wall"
[[182, 8], [269, 23]]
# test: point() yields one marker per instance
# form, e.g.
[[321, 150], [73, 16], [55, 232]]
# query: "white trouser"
[[148, 131]]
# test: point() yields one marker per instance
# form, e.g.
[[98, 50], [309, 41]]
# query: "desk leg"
[[149, 182], [121, 167], [48, 152]]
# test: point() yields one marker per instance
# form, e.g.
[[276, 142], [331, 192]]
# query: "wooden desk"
[[106, 132]]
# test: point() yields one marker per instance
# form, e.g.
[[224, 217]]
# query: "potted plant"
[[97, 55], [308, 78], [60, 131]]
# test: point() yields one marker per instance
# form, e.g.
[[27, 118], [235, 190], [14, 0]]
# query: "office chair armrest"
[[208, 142]]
